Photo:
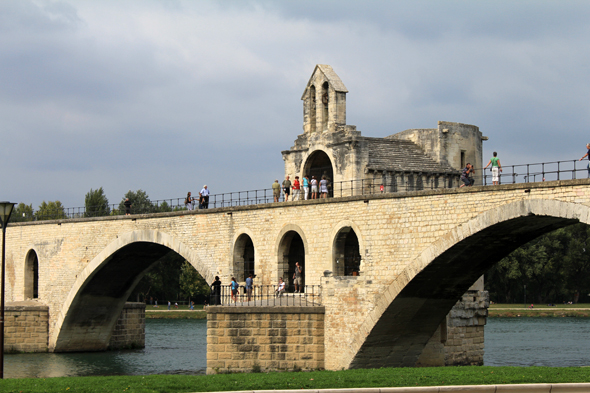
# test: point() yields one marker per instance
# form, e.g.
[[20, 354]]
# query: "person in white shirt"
[[281, 288], [204, 198]]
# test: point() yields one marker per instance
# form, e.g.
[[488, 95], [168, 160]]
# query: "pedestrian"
[[314, 188], [249, 285], [192, 306], [298, 278], [276, 190], [216, 292], [324, 187], [188, 202], [127, 205], [156, 303], [176, 305], [168, 305], [280, 288], [234, 289], [305, 187], [466, 176], [296, 189], [587, 155], [204, 198], [496, 167], [287, 188]]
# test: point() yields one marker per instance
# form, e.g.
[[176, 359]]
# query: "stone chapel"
[[413, 159]]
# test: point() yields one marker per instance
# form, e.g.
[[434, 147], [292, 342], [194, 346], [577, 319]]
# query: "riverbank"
[[518, 310], [372, 378]]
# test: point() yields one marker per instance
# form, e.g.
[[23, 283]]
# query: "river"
[[178, 346]]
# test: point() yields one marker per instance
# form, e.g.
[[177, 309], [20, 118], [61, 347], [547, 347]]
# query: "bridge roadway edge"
[[556, 190]]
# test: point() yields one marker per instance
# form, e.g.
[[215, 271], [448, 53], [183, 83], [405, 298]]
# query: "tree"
[[192, 284], [22, 213], [50, 211], [140, 203], [96, 203]]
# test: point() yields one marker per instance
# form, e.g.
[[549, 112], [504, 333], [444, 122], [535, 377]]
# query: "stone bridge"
[[408, 258]]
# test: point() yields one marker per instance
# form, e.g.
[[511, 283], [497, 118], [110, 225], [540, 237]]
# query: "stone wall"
[[243, 339], [464, 343], [26, 327], [129, 331]]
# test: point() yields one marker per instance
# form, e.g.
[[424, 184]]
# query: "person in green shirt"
[[276, 190], [496, 167], [287, 188]]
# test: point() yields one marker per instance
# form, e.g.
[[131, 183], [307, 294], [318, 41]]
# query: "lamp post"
[[5, 212]]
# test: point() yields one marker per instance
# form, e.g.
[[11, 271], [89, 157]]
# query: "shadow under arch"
[[90, 311], [415, 304], [243, 254]]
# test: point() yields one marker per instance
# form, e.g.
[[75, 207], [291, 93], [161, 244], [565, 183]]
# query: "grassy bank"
[[387, 377], [519, 310]]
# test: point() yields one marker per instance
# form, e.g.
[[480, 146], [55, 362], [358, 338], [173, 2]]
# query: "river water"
[[179, 346]]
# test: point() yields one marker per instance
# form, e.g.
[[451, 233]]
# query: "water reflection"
[[173, 346], [552, 342]]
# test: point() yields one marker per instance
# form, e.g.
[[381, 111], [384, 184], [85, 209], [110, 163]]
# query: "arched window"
[[32, 276], [324, 105], [312, 109], [347, 258], [243, 257]]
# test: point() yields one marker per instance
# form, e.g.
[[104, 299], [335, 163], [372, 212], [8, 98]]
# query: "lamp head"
[[5, 212]]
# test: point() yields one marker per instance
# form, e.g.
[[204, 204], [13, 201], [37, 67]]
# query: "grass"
[[541, 310], [385, 377]]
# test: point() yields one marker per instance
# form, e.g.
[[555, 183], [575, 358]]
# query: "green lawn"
[[522, 306], [386, 377]]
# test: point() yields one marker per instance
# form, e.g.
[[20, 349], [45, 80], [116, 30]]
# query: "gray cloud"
[[166, 96]]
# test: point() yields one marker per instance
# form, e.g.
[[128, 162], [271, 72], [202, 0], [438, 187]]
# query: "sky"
[[166, 96]]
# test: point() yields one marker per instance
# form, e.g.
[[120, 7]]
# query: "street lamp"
[[5, 212]]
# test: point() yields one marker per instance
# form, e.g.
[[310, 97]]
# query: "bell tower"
[[324, 101]]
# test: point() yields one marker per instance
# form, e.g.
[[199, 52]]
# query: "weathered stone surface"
[[269, 348]]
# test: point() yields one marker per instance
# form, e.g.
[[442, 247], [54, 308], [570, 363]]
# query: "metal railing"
[[538, 172], [400, 182], [267, 295]]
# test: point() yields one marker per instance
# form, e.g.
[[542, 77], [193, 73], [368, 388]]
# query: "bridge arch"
[[408, 313], [87, 317], [291, 247], [347, 237], [243, 254]]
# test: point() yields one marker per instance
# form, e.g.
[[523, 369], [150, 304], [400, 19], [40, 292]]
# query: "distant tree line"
[[96, 204], [554, 267]]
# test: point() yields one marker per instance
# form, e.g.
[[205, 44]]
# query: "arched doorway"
[[32, 276], [291, 251], [347, 258], [243, 257], [318, 164]]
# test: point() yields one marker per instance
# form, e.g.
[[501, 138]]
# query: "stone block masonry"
[[242, 339], [26, 327], [129, 331]]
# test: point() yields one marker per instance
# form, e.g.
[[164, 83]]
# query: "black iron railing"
[[266, 295], [388, 182]]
